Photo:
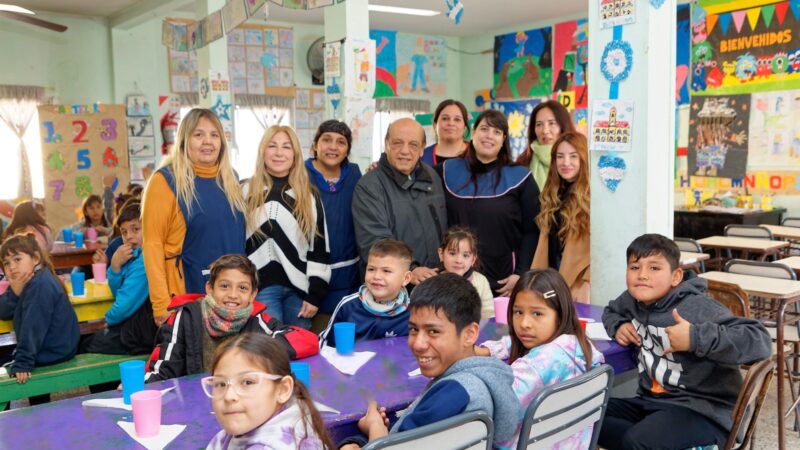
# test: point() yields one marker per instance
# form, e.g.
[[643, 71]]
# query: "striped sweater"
[[283, 255]]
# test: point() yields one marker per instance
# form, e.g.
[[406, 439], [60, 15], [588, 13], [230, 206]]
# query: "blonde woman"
[[286, 231], [564, 217], [192, 212]]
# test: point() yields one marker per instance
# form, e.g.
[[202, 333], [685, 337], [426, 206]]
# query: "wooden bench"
[[84, 370]]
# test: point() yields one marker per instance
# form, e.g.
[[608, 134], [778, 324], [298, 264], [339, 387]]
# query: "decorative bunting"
[[752, 17], [455, 9], [795, 5], [738, 19], [780, 11], [711, 20], [724, 22], [766, 13]]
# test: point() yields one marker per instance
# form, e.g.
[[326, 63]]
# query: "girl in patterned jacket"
[[546, 344]]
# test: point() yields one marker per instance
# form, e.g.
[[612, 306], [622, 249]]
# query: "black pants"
[[636, 423], [134, 336]]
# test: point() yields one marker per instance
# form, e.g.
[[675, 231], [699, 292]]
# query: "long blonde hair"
[[261, 183], [183, 170], [575, 209]]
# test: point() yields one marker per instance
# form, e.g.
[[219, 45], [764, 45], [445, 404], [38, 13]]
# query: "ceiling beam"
[[143, 11]]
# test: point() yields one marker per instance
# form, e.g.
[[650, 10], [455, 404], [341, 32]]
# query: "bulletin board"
[[182, 65], [82, 145], [309, 113], [261, 60]]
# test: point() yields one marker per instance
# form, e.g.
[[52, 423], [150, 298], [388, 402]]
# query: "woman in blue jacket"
[[336, 178]]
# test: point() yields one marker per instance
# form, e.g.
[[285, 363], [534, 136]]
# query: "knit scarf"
[[221, 321], [397, 306], [540, 162]]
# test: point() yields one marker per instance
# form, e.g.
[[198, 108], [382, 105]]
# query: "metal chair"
[[731, 295], [747, 231], [791, 222], [748, 404], [690, 245], [760, 269], [563, 409], [794, 246], [471, 431]]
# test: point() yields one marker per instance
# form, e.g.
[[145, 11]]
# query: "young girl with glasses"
[[257, 400]]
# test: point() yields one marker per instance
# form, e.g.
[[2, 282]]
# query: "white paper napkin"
[[165, 435], [586, 319], [116, 402], [326, 409], [347, 364], [597, 332], [415, 373]]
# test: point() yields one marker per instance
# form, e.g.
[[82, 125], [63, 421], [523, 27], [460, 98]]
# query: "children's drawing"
[[523, 64], [611, 125], [718, 136], [421, 65], [775, 129]]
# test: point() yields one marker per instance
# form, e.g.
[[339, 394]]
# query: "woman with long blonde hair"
[[564, 215], [192, 211], [286, 231]]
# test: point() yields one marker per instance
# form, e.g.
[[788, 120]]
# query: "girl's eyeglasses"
[[245, 384]]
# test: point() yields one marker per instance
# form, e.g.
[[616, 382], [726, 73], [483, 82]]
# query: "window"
[[11, 169]]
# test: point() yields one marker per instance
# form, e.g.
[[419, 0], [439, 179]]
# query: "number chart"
[[81, 145]]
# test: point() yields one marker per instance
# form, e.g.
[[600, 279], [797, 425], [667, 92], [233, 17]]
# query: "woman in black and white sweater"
[[286, 231]]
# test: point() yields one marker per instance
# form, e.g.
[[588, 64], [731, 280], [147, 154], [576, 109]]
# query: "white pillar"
[[212, 56], [643, 201]]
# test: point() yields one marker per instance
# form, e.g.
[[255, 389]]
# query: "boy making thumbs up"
[[690, 347]]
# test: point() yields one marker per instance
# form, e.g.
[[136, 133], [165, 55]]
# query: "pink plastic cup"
[[99, 272], [501, 310], [146, 412], [3, 286], [91, 234]]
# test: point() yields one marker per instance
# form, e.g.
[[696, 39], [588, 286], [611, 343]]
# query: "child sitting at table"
[[185, 343], [44, 320], [380, 307], [258, 402], [93, 217], [459, 254], [28, 219], [690, 349], [443, 327], [130, 327], [546, 344]]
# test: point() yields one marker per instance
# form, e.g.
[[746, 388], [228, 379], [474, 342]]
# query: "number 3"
[[110, 131]]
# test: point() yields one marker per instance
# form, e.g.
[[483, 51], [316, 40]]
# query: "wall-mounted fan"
[[315, 59], [25, 15]]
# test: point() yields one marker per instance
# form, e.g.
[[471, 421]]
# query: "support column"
[[643, 201], [349, 21], [212, 71]]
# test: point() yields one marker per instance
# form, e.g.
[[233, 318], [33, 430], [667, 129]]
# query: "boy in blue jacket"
[[380, 307], [690, 349], [130, 326], [443, 328]]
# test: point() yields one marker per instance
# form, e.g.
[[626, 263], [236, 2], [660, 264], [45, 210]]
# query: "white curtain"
[[17, 108]]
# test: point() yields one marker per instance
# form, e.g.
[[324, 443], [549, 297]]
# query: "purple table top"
[[67, 424]]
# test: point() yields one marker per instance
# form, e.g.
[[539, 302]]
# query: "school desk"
[[787, 293], [793, 262], [780, 231], [691, 260], [65, 255], [66, 424]]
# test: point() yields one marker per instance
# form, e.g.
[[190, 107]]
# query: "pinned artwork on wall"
[[739, 47], [682, 61], [570, 60], [261, 59], [617, 12], [421, 65], [523, 64], [358, 116], [183, 71], [718, 136], [612, 170], [774, 130], [141, 169], [518, 113], [138, 105], [141, 147], [385, 62], [234, 13], [140, 126], [212, 27], [333, 59], [611, 125], [359, 63]]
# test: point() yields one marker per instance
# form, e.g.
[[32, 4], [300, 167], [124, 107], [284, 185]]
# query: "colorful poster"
[[616, 12], [385, 62], [611, 125], [212, 27], [359, 114], [518, 113], [309, 113], [333, 61], [523, 64], [738, 49], [683, 44], [260, 57], [718, 136], [774, 130], [182, 71], [80, 146], [758, 182], [359, 62], [570, 52], [234, 13], [421, 65], [220, 93]]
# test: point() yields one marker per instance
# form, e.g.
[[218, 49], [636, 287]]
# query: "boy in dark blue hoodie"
[[44, 320], [690, 349]]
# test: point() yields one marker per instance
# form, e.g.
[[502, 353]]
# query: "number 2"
[[79, 134]]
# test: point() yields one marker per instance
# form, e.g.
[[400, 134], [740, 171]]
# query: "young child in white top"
[[458, 254]]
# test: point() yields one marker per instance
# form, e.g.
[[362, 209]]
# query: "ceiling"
[[480, 16]]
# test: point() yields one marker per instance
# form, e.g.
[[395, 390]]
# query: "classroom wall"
[[74, 65]]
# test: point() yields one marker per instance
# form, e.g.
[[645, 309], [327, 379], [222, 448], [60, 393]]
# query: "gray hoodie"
[[705, 378], [470, 384]]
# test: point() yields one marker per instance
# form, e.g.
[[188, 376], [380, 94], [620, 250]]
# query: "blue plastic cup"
[[131, 373], [302, 372], [67, 232], [78, 236], [345, 335], [78, 280]]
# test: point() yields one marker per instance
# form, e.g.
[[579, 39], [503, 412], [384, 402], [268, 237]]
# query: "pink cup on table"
[[3, 286], [99, 272], [146, 412], [91, 234], [501, 310]]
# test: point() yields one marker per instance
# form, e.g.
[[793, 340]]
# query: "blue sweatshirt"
[[44, 321], [337, 199], [129, 287], [368, 325]]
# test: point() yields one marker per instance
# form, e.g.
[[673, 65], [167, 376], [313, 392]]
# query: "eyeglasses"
[[245, 384]]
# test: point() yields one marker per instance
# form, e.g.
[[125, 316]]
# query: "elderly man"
[[402, 199]]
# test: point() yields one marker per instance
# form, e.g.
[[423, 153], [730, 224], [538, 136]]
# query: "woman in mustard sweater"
[[192, 212]]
